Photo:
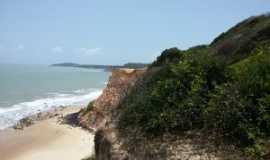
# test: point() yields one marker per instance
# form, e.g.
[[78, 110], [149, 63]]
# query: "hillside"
[[207, 102], [236, 43]]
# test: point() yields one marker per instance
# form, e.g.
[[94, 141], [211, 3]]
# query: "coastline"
[[49, 137]]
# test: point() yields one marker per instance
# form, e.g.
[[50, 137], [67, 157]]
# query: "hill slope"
[[236, 43], [208, 102]]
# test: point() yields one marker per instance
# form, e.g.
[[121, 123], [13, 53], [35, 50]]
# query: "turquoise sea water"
[[28, 89]]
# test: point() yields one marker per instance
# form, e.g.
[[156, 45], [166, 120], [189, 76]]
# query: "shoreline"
[[10, 115], [47, 135]]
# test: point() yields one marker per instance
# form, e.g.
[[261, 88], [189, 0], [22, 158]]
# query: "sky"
[[112, 31]]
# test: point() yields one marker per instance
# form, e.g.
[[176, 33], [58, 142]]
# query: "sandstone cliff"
[[120, 82], [103, 115], [110, 145], [191, 104]]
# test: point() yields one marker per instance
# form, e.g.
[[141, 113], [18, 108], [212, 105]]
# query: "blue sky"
[[112, 32]]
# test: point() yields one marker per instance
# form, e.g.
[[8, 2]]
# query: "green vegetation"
[[236, 43], [135, 65], [167, 56], [239, 110], [198, 90], [89, 108]]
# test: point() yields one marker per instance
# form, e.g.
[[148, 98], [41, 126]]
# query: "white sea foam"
[[10, 115], [80, 91]]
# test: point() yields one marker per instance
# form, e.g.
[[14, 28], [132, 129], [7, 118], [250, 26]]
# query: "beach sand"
[[47, 140]]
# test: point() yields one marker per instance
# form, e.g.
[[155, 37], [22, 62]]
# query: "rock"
[[117, 88], [25, 122], [102, 146], [106, 148], [103, 118]]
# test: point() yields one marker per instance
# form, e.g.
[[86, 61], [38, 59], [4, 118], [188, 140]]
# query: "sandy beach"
[[47, 139]]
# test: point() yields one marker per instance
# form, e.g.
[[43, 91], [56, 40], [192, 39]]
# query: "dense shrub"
[[89, 108], [238, 42], [193, 89], [239, 111], [226, 116], [199, 92], [176, 96], [168, 56]]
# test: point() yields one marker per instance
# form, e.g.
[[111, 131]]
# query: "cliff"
[[119, 84], [209, 102], [112, 144]]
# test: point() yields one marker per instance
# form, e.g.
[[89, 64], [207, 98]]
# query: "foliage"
[[167, 56], [200, 92], [240, 110], [240, 40], [176, 96], [222, 89], [89, 108], [226, 114], [135, 65]]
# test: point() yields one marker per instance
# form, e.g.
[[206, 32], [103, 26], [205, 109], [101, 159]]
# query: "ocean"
[[28, 89]]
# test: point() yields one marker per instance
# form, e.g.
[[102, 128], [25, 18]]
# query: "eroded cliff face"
[[119, 84], [104, 114], [109, 145]]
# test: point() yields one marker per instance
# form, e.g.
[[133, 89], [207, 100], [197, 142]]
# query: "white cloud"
[[88, 51], [57, 49], [20, 47]]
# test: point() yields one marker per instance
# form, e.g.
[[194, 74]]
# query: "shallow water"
[[29, 89]]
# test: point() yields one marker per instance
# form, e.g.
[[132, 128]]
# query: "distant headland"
[[104, 67]]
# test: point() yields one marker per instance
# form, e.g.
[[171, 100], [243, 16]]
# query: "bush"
[[200, 92], [89, 108], [168, 56], [225, 114], [176, 96], [240, 110]]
